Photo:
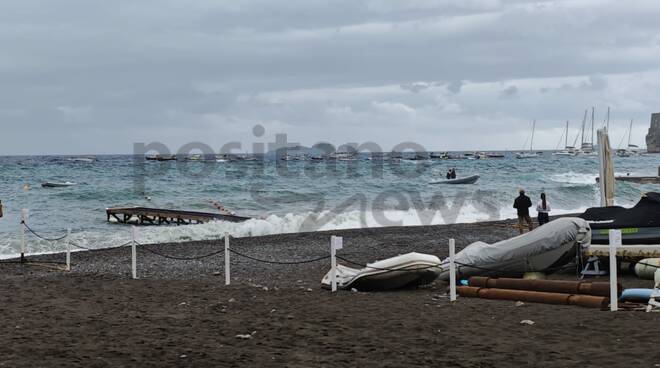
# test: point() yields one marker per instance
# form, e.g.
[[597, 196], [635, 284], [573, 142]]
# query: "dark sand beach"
[[180, 313]]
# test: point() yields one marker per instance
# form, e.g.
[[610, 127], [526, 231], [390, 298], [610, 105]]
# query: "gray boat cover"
[[550, 245]]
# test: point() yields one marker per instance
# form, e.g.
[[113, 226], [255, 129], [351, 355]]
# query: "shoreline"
[[501, 222]]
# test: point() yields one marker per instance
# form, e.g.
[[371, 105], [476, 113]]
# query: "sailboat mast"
[[584, 122], [531, 143], [566, 144], [630, 132], [593, 110], [607, 126]]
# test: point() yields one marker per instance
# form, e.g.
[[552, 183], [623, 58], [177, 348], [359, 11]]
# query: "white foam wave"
[[576, 178]]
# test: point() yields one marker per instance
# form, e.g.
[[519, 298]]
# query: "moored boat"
[[465, 180], [51, 184]]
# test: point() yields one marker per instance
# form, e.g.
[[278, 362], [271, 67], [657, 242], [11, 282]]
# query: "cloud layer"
[[91, 76]]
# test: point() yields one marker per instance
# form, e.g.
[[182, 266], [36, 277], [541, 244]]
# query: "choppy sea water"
[[286, 197]]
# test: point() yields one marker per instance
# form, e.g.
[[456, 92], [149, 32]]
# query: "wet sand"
[[180, 314]]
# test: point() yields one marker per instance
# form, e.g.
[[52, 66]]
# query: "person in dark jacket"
[[522, 205], [543, 209]]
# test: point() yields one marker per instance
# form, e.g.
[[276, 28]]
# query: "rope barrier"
[[42, 237], [86, 248], [647, 264], [179, 258], [279, 262]]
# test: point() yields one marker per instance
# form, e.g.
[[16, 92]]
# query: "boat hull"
[[466, 180]]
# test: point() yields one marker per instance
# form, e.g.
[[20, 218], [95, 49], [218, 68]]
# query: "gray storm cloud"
[[91, 76]]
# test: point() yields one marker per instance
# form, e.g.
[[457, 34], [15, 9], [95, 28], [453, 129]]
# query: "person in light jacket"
[[543, 209]]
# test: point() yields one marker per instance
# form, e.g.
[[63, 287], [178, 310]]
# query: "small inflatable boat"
[[401, 272], [466, 180], [57, 185]]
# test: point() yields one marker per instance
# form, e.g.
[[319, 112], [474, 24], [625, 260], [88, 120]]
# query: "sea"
[[286, 196]]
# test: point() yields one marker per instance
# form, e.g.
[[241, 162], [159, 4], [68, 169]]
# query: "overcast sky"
[[95, 76]]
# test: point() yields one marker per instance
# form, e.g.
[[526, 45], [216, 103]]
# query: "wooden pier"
[[640, 179], [157, 216]]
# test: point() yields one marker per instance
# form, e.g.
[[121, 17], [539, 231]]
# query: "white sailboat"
[[587, 148], [531, 153], [568, 150], [631, 149]]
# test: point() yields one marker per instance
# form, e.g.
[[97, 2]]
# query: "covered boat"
[[401, 272], [51, 184], [639, 224], [465, 180], [544, 249]]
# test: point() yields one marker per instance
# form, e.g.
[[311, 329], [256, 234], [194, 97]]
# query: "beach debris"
[[309, 290], [273, 310], [519, 303], [528, 322], [183, 356], [232, 300], [246, 336], [354, 290], [265, 288]]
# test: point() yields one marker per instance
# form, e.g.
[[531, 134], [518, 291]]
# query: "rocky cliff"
[[653, 138]]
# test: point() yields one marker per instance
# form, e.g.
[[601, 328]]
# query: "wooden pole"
[[134, 252], [452, 270], [68, 249], [615, 241], [336, 243], [227, 261]]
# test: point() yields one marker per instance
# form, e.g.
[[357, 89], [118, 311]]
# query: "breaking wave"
[[270, 225]]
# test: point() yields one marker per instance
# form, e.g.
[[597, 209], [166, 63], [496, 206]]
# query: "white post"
[[601, 171], [24, 220], [68, 249], [452, 270], [227, 263], [615, 241], [134, 233], [336, 242]]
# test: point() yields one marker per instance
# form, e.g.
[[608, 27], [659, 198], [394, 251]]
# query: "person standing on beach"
[[522, 205], [543, 209]]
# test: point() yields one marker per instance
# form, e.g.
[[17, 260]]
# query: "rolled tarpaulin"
[[550, 286], [645, 269], [588, 301]]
